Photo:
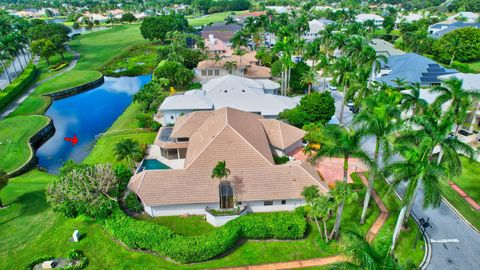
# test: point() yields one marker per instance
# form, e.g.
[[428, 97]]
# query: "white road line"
[[445, 241]]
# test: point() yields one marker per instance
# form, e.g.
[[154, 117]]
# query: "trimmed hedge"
[[144, 235], [18, 86]]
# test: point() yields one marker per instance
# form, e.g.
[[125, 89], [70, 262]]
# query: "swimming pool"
[[152, 164]]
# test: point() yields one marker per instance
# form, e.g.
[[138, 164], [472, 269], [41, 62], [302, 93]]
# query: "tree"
[[84, 189], [128, 150], [380, 118], [461, 45], [297, 72], [152, 95], [342, 194], [220, 171], [230, 66], [43, 47], [229, 20], [460, 99], [411, 100], [309, 78], [176, 73], [313, 108], [3, 183], [338, 142], [76, 25], [128, 17], [362, 255], [344, 70], [156, 27]]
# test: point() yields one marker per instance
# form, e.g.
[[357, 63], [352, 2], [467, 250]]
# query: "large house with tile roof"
[[247, 143]]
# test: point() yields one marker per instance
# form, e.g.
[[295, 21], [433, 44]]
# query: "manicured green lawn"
[[212, 18], [475, 66], [33, 105], [469, 181], [472, 215], [96, 49], [14, 136], [44, 69]]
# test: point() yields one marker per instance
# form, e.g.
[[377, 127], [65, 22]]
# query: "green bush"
[[59, 66], [18, 86], [132, 203], [280, 160], [38, 260], [187, 249], [462, 67]]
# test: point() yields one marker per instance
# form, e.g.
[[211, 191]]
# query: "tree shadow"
[[31, 203]]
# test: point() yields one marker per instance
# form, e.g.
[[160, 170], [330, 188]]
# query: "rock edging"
[[34, 143], [77, 89]]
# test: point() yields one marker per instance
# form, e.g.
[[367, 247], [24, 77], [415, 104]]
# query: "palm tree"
[[455, 45], [339, 142], [309, 78], [362, 255], [344, 70], [230, 20], [322, 208], [240, 52], [3, 57], [342, 194], [230, 66], [411, 100], [323, 64], [380, 118], [415, 167], [3, 183], [220, 171], [459, 98], [128, 150]]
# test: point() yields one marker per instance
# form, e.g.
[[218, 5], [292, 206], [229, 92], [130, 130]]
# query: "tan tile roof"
[[281, 135], [246, 59], [240, 139], [188, 123]]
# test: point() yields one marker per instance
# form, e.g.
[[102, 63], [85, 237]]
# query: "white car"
[[332, 87]]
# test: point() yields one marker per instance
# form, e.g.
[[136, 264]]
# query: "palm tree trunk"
[[338, 218], [324, 79], [453, 57], [343, 103], [440, 155], [5, 71], [309, 87], [24, 56], [410, 204], [288, 81], [398, 227], [370, 184], [14, 67], [283, 83], [20, 62], [325, 230], [318, 227]]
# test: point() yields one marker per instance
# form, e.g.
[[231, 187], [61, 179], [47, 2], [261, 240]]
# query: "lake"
[[86, 115]]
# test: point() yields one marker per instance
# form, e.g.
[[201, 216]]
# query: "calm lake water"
[[86, 115]]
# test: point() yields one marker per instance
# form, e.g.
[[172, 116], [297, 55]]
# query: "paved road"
[[14, 104], [454, 244], [11, 71]]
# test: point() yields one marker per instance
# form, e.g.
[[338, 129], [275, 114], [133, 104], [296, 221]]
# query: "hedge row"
[[144, 235], [18, 86]]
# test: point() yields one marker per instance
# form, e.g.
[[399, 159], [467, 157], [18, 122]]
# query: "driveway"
[[454, 244]]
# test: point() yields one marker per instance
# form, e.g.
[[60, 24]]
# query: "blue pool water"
[[152, 164], [86, 115]]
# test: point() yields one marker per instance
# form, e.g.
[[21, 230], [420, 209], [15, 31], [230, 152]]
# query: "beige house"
[[248, 143], [246, 66]]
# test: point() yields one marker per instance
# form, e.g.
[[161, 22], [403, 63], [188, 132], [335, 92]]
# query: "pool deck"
[[153, 152]]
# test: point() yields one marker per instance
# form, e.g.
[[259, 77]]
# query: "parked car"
[[332, 87]]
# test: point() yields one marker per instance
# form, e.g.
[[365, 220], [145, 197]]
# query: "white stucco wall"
[[291, 204], [170, 117]]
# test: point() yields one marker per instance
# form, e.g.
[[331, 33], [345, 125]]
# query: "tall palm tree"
[[415, 168], [411, 100], [220, 171], [363, 256], [229, 20], [128, 150], [3, 57], [321, 208], [344, 74], [380, 118], [309, 78], [460, 99], [230, 66], [3, 183], [455, 45], [339, 142]]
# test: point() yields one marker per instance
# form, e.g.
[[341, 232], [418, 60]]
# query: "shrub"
[[38, 260], [18, 86], [187, 249], [280, 160], [132, 203], [462, 67]]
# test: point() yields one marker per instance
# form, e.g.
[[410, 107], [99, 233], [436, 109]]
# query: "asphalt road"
[[454, 244], [11, 71]]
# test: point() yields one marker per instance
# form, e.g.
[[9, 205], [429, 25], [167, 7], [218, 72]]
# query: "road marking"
[[444, 241]]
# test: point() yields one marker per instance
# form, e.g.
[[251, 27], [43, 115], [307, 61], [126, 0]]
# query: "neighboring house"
[[409, 18], [257, 96], [471, 82], [221, 31], [467, 15], [362, 18], [279, 9], [385, 48], [412, 68], [316, 26], [246, 66], [216, 46], [439, 29], [248, 143]]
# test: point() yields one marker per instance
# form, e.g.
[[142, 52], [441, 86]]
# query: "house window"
[[226, 195], [217, 72], [182, 139], [172, 117], [267, 203], [284, 202], [210, 72], [204, 73]]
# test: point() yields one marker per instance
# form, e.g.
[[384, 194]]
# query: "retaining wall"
[[77, 89]]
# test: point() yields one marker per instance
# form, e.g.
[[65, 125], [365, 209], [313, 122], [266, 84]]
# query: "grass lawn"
[[44, 69], [96, 49], [405, 252], [14, 149], [212, 18], [475, 66], [138, 60], [469, 181]]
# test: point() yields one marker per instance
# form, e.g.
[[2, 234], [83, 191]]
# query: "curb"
[[459, 215]]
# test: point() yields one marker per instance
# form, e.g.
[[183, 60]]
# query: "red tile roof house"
[[247, 142]]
